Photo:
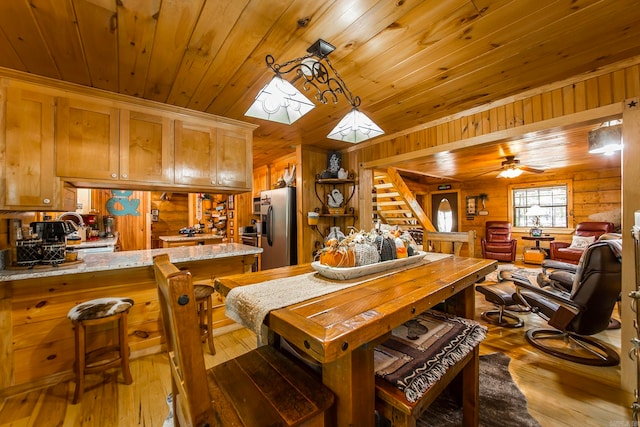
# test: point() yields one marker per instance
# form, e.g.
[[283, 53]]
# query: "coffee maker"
[[51, 231]]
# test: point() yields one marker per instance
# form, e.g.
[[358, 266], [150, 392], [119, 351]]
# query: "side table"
[[536, 254]]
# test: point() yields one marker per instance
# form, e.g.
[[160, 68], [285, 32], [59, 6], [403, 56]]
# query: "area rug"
[[531, 273], [502, 404]]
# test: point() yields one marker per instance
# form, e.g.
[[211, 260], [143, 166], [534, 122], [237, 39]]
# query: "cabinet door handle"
[[124, 175], [114, 175], [46, 201]]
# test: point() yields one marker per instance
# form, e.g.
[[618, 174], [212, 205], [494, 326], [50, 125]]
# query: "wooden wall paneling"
[[632, 81], [132, 211], [243, 211], [173, 214], [261, 180], [618, 83], [278, 167]]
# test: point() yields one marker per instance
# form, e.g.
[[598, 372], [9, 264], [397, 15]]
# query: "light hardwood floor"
[[559, 393]]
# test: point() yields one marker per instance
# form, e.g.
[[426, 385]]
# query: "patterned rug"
[[531, 273], [502, 404]]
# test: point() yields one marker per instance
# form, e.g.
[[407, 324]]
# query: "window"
[[554, 200]]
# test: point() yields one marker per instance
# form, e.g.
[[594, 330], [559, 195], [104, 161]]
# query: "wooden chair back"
[[450, 243], [191, 398]]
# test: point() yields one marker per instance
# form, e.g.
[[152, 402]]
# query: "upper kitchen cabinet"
[[87, 141], [195, 154], [235, 163], [209, 154], [28, 180], [146, 147]]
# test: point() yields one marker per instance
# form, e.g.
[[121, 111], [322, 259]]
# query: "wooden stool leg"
[[209, 304], [124, 348], [79, 364]]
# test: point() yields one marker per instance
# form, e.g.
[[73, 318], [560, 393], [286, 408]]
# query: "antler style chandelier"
[[279, 101]]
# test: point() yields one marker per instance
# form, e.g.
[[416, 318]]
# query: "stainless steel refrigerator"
[[279, 235]]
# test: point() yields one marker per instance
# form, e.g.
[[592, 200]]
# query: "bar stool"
[[97, 312], [203, 292]]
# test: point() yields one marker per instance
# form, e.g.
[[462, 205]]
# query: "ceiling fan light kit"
[[606, 139], [281, 102], [511, 172], [511, 168]]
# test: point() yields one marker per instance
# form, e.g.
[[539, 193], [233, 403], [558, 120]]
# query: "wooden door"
[[444, 211], [146, 147], [87, 140], [235, 165], [28, 175], [195, 154]]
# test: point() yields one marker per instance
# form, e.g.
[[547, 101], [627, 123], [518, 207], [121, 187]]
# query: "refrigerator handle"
[[270, 225]]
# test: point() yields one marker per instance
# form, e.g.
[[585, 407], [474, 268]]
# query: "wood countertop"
[[130, 259]]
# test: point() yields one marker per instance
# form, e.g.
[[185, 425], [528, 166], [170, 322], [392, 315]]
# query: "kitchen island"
[[36, 338]]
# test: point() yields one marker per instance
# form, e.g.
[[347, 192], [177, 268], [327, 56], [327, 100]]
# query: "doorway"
[[444, 211]]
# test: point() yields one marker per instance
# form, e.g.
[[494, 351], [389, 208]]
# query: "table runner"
[[249, 305]]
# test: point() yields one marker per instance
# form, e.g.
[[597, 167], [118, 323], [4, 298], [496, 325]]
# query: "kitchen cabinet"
[[58, 133], [146, 147], [210, 155], [195, 154], [28, 180], [87, 140], [235, 162]]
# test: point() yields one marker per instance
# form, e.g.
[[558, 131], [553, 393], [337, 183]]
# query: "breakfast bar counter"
[[36, 338]]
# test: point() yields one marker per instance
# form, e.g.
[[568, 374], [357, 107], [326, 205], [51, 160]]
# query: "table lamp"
[[535, 211]]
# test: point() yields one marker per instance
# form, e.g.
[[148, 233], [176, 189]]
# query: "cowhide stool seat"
[[501, 294], [92, 313], [203, 292]]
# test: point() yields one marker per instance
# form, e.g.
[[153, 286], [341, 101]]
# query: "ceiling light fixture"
[[606, 139], [281, 102], [510, 172]]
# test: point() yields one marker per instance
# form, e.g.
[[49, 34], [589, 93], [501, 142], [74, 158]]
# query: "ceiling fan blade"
[[530, 169], [486, 173]]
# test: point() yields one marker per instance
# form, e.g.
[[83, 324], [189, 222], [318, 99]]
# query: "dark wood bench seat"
[[259, 388]]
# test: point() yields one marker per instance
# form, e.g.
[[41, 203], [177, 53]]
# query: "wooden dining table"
[[341, 329]]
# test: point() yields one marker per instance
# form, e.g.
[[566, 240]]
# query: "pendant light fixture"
[[281, 102], [606, 139]]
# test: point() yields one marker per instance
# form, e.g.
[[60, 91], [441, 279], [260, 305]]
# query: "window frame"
[[537, 184]]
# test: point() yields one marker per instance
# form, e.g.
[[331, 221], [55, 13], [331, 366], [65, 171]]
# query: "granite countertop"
[[131, 259], [186, 238]]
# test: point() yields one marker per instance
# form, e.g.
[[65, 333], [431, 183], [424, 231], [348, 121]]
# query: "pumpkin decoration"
[[364, 249], [337, 254]]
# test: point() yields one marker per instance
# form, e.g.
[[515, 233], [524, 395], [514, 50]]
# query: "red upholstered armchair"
[[571, 252], [497, 243]]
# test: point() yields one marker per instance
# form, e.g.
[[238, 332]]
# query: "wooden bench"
[[260, 388], [450, 242], [392, 404]]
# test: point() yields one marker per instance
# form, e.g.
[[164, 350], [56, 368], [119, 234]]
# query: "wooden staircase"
[[395, 204]]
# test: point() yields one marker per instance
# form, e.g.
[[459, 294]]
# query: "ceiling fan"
[[511, 168]]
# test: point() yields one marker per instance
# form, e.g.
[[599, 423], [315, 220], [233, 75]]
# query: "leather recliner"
[[497, 243], [561, 251], [576, 313]]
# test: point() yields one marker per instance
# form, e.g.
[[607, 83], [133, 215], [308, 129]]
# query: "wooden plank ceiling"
[[411, 61]]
